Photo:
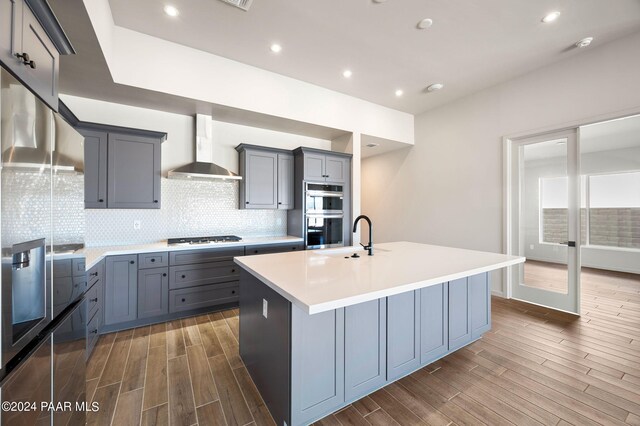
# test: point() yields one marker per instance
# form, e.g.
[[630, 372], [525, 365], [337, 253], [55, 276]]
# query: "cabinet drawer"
[[93, 328], [184, 257], [153, 260], [201, 297], [95, 274], [273, 248], [202, 274], [94, 298]]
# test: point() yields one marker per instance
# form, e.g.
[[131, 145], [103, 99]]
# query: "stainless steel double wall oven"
[[324, 215]]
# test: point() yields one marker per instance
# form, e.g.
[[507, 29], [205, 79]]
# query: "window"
[[610, 210]]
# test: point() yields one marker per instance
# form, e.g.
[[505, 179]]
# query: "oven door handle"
[[325, 216], [313, 193]]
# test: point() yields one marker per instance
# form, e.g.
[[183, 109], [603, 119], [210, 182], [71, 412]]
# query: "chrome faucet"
[[368, 247]]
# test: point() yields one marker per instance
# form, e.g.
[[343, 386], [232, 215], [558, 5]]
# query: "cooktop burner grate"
[[205, 240]]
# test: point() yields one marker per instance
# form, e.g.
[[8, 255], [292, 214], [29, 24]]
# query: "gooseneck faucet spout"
[[368, 247]]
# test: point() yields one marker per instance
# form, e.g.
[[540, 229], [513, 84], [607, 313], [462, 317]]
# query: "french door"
[[543, 205]]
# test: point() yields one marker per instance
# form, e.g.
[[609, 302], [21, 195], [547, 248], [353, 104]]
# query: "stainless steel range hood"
[[202, 168]]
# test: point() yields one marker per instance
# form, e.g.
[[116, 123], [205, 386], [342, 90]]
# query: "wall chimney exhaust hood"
[[202, 168]]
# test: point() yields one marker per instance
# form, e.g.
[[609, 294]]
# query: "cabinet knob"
[[279, 202], [101, 200], [94, 331], [155, 201], [132, 262], [233, 270], [184, 300], [233, 292], [93, 274], [153, 259], [247, 202], [25, 60], [164, 275], [184, 276], [95, 299]]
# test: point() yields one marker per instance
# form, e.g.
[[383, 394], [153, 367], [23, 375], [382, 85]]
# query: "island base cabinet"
[[317, 364], [365, 350], [480, 298], [434, 322], [403, 334]]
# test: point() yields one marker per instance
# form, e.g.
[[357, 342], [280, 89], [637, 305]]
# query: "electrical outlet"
[[136, 224], [265, 308], [530, 246]]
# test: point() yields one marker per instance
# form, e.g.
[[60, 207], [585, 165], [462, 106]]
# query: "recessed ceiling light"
[[379, 1], [276, 48], [550, 17], [434, 87], [399, 92], [347, 73], [171, 11], [425, 23], [584, 42], [372, 145]]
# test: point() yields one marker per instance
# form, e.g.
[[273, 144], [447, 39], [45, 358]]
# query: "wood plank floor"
[[536, 366]]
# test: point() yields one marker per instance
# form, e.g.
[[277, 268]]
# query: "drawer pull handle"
[[94, 331], [25, 60], [93, 274], [93, 300], [184, 300], [184, 276]]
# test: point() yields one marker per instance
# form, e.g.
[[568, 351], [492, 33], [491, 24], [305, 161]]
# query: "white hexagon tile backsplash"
[[189, 208]]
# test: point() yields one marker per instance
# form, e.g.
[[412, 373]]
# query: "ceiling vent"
[[240, 4]]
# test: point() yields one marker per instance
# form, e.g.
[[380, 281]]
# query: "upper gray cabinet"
[[122, 167], [31, 41], [267, 178], [133, 172], [95, 163], [324, 166]]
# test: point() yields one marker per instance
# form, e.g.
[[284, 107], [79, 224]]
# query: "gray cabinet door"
[[336, 169], [459, 314], [285, 181], [95, 169], [314, 167], [480, 300], [261, 174], [403, 334], [153, 292], [42, 75], [434, 319], [10, 32], [121, 289], [317, 364], [365, 347], [133, 173]]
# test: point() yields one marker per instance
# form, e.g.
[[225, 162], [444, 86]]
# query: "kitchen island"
[[321, 329]]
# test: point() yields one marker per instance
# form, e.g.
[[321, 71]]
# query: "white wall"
[[179, 148], [447, 189]]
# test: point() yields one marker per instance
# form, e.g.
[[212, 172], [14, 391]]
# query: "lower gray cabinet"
[[434, 321], [153, 292], [365, 349], [403, 334], [121, 289], [459, 314], [480, 299], [317, 364]]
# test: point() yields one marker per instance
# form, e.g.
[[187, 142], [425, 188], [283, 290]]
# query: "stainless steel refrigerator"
[[43, 279]]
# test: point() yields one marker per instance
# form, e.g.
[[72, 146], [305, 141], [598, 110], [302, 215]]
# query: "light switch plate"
[[265, 308]]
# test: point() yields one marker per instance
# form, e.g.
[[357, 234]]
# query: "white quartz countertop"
[[322, 280], [95, 254]]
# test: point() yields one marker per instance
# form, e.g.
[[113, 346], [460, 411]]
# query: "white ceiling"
[[472, 44]]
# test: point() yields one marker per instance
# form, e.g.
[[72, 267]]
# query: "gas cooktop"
[[204, 240]]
